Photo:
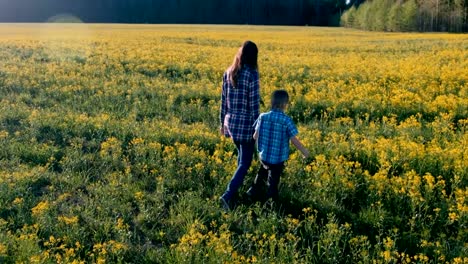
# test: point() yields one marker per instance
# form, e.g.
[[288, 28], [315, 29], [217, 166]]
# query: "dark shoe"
[[224, 204]]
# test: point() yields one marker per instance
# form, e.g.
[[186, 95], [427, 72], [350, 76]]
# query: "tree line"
[[268, 12], [408, 15]]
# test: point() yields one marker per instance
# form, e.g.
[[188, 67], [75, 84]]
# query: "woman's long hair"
[[247, 55]]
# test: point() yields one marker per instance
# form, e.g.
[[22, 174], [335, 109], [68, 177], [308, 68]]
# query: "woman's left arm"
[[254, 95], [223, 111]]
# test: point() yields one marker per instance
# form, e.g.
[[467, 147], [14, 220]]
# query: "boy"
[[273, 130]]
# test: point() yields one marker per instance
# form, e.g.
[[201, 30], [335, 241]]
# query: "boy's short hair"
[[279, 99]]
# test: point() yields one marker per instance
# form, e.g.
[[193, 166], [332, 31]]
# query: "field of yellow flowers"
[[110, 152]]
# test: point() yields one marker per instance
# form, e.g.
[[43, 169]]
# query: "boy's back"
[[274, 129]]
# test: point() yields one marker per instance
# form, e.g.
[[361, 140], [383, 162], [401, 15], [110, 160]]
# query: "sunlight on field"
[[109, 150]]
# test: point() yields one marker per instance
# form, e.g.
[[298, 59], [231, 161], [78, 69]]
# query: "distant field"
[[110, 152]]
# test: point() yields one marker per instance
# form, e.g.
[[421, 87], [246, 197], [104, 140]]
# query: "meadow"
[[110, 150]]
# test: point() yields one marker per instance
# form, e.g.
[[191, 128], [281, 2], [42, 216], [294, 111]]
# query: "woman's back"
[[240, 107], [240, 98]]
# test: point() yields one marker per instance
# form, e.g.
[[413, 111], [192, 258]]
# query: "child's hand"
[[300, 147]]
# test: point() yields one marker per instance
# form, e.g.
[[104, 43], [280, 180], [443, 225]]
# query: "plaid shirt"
[[274, 129], [240, 105]]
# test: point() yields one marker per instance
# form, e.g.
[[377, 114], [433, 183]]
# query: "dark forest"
[[257, 12]]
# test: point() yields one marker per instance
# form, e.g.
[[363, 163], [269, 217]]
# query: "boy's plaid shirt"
[[274, 129], [240, 105]]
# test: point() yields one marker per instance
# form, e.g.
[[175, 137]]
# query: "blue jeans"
[[245, 152]]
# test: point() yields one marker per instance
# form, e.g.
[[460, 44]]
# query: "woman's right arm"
[[254, 95]]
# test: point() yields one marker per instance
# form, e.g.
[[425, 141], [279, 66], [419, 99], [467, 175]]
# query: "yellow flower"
[[69, 253], [18, 201], [387, 255], [3, 134], [40, 208], [35, 259], [68, 220], [101, 260], [430, 180], [460, 260], [3, 249], [137, 141], [453, 217], [117, 246], [111, 147], [139, 196], [63, 196], [121, 225]]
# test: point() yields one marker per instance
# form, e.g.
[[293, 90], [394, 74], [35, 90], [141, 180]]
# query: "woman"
[[239, 109]]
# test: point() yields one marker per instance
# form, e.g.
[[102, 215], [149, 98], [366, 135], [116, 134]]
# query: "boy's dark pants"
[[268, 174]]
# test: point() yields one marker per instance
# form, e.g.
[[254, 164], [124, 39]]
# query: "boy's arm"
[[292, 131], [297, 143]]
